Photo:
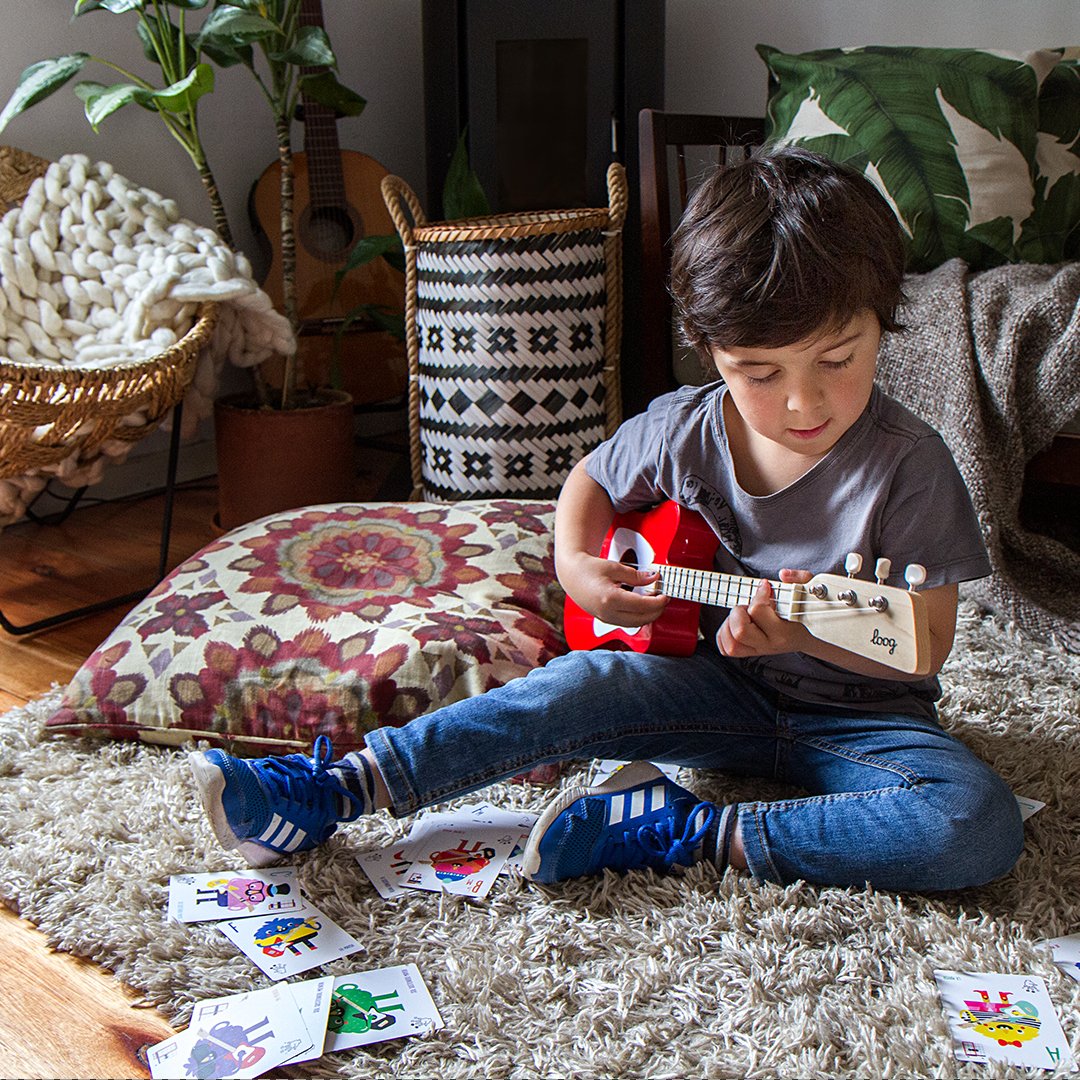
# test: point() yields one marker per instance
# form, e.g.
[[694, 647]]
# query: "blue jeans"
[[892, 799]]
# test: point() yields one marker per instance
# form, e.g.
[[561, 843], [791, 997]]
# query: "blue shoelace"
[[660, 843], [306, 783]]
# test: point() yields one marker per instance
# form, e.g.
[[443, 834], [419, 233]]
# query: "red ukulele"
[[873, 620]]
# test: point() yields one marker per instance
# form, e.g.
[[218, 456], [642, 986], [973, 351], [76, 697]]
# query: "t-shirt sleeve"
[[628, 465], [929, 517]]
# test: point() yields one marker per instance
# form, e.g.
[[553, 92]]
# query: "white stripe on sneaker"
[[637, 803], [659, 797], [272, 828], [296, 841], [283, 834], [616, 808]]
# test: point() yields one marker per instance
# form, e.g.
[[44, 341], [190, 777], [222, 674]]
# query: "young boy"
[[787, 269]]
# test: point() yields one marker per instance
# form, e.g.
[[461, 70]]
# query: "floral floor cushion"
[[328, 620]]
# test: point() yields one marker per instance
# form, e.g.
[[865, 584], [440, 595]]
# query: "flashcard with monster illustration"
[[284, 945], [234, 894], [1007, 1018], [373, 1006]]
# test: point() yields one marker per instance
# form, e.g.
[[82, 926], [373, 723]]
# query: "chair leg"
[[163, 559]]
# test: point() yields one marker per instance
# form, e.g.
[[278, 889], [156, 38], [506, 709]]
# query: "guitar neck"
[[721, 590], [326, 177]]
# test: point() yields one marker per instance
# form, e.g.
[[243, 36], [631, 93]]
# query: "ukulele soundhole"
[[329, 232]]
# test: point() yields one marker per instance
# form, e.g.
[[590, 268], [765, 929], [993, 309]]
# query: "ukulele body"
[[670, 534]]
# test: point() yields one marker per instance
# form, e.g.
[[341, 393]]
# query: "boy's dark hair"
[[780, 246]]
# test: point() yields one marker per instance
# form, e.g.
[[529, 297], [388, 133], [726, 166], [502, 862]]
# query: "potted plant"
[[302, 441]]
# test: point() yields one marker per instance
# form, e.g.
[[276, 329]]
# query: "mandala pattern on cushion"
[[329, 620]]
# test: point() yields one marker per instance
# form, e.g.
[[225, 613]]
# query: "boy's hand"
[[602, 588], [757, 630]]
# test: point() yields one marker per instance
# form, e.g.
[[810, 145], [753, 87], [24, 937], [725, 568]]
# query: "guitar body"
[[373, 362], [669, 533]]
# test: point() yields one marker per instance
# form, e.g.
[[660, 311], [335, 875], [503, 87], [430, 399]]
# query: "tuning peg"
[[914, 575], [853, 563], [881, 570]]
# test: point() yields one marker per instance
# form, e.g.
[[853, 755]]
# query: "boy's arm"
[[757, 630], [599, 586]]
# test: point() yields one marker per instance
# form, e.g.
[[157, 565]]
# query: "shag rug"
[[638, 976]]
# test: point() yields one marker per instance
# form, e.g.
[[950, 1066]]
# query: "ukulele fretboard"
[[721, 590]]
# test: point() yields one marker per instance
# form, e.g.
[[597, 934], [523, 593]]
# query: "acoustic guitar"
[[873, 620], [337, 201]]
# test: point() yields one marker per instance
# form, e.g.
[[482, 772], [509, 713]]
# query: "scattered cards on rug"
[[1028, 806], [247, 1035], [1066, 951], [284, 945], [374, 1006], [1008, 1018], [244, 1035], [608, 767], [234, 894], [459, 851]]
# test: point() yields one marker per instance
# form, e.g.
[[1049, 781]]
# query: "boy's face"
[[804, 396]]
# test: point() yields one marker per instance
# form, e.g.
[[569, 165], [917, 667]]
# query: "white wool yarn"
[[96, 271]]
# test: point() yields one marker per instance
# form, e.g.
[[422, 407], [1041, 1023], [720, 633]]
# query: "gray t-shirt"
[[889, 487]]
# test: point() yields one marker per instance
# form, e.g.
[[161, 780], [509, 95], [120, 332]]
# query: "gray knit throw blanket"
[[992, 360]]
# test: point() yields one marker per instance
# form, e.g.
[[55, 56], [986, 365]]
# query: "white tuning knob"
[[914, 575], [881, 570], [853, 563]]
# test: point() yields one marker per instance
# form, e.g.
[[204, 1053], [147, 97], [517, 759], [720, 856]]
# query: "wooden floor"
[[73, 1019]]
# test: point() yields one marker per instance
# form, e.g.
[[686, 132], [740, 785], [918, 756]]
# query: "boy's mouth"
[[808, 433]]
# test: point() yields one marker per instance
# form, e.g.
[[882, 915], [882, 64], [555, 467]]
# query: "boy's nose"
[[804, 396]]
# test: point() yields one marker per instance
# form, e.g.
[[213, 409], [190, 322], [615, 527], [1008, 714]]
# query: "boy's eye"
[[835, 365], [758, 380]]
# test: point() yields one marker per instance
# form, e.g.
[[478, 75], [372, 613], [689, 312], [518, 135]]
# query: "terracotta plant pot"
[[270, 460]]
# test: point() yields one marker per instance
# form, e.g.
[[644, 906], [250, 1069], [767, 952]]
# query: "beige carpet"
[[641, 976]]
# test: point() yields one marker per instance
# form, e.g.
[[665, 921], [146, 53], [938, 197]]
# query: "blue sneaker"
[[636, 818], [270, 807]]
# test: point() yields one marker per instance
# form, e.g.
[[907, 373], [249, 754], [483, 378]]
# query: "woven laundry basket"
[[513, 329]]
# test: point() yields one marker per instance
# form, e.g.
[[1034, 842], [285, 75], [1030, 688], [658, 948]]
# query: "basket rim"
[[509, 226], [186, 348]]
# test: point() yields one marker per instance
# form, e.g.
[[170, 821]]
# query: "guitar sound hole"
[[629, 558], [327, 232]]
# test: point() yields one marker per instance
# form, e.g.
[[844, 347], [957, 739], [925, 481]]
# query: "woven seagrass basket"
[[49, 413], [513, 329]]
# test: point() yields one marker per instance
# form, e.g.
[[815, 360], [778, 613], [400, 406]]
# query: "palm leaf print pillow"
[[948, 135]]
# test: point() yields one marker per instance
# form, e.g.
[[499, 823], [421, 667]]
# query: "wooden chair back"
[[675, 149]]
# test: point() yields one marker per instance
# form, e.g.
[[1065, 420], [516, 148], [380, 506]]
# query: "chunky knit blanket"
[[96, 271], [992, 360]]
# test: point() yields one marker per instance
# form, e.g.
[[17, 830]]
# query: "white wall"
[[712, 66]]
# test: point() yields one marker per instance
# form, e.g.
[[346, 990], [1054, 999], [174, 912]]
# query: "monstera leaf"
[[949, 135]]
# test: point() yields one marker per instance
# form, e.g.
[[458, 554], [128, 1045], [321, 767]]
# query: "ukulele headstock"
[[873, 620]]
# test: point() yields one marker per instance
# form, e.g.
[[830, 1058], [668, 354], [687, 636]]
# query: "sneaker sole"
[[637, 772], [210, 781]]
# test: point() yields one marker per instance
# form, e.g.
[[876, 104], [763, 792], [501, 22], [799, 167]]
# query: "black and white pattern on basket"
[[511, 353]]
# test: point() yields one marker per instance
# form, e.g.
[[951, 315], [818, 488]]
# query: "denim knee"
[[981, 834]]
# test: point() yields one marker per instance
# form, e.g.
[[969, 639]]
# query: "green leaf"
[[310, 49], [40, 80], [326, 90], [229, 27], [101, 101], [190, 5], [117, 7], [371, 248], [463, 194], [182, 95]]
